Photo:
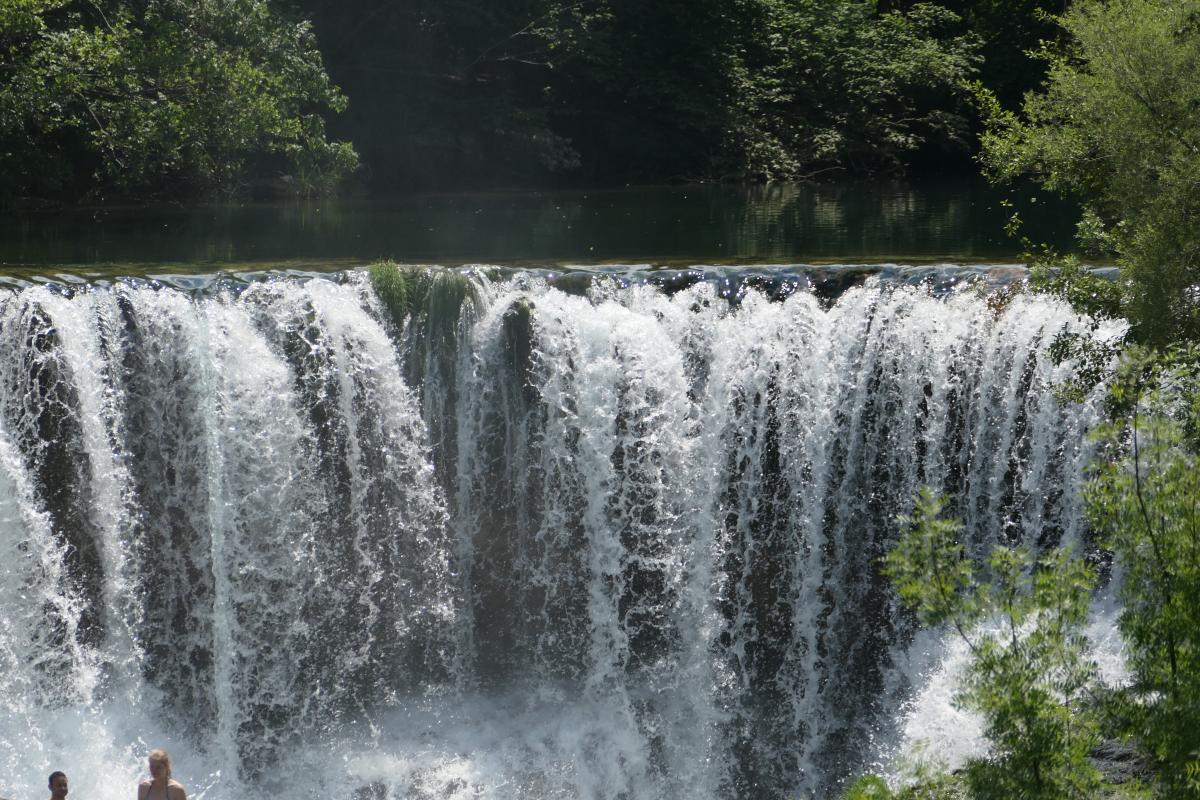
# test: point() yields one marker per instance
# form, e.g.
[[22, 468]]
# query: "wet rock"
[[1121, 763]]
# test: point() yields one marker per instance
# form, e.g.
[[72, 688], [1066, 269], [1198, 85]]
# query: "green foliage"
[[868, 787], [605, 91], [936, 787], [446, 93], [184, 97], [1159, 383], [429, 307], [175, 98], [920, 781], [930, 569], [1065, 276], [1012, 31], [1028, 679], [840, 85], [926, 786], [773, 88], [392, 285], [437, 297], [1032, 684], [1145, 505], [1116, 126]]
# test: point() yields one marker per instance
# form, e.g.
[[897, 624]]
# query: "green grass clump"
[[393, 286]]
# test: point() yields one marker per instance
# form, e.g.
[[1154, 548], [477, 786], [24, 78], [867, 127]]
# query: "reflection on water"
[[774, 223]]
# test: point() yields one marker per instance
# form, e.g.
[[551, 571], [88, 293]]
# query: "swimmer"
[[58, 785], [160, 786]]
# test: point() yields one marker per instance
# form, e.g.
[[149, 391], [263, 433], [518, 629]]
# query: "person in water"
[[161, 786], [58, 785]]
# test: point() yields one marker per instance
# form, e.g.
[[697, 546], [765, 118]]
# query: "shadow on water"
[[664, 225]]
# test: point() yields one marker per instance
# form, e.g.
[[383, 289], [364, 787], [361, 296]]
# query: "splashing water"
[[532, 540]]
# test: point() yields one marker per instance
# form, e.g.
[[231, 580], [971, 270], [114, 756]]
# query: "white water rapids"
[[531, 544]]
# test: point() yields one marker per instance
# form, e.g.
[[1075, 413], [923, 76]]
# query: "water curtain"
[[496, 533]]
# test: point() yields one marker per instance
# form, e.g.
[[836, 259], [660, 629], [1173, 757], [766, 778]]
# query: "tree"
[[162, 98], [613, 91], [1116, 126], [447, 94], [1028, 676], [1144, 504], [1011, 32], [763, 88]]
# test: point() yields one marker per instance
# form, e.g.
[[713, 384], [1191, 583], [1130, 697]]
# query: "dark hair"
[[53, 775]]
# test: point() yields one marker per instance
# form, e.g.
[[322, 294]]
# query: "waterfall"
[[531, 535]]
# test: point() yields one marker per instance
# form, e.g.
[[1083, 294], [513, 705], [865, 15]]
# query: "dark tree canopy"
[[161, 98], [187, 98], [612, 91]]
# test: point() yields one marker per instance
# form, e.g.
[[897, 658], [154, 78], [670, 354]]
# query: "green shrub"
[[1028, 680]]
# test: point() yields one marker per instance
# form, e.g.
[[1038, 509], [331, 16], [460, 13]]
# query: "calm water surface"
[[961, 222]]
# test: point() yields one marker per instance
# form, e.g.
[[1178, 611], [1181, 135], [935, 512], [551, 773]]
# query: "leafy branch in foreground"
[[928, 786], [1028, 676], [1115, 126], [1145, 505]]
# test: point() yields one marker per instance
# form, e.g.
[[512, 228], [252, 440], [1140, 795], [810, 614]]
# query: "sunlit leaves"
[[1145, 505], [1028, 676], [1117, 126], [930, 570]]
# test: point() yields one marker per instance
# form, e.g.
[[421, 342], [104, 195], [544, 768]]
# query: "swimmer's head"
[[160, 761], [58, 785]]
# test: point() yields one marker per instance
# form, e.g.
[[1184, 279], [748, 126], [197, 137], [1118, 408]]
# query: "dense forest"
[[178, 99]]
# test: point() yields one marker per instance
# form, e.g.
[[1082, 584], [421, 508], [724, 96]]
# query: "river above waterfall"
[[911, 222]]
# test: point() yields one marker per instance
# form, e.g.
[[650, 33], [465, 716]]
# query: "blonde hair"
[[163, 757]]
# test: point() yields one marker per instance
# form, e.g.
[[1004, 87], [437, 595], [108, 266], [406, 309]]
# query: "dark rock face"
[[1121, 762]]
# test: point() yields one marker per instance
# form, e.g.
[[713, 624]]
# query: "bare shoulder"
[[143, 789], [175, 790]]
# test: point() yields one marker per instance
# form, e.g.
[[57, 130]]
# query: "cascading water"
[[526, 540]]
